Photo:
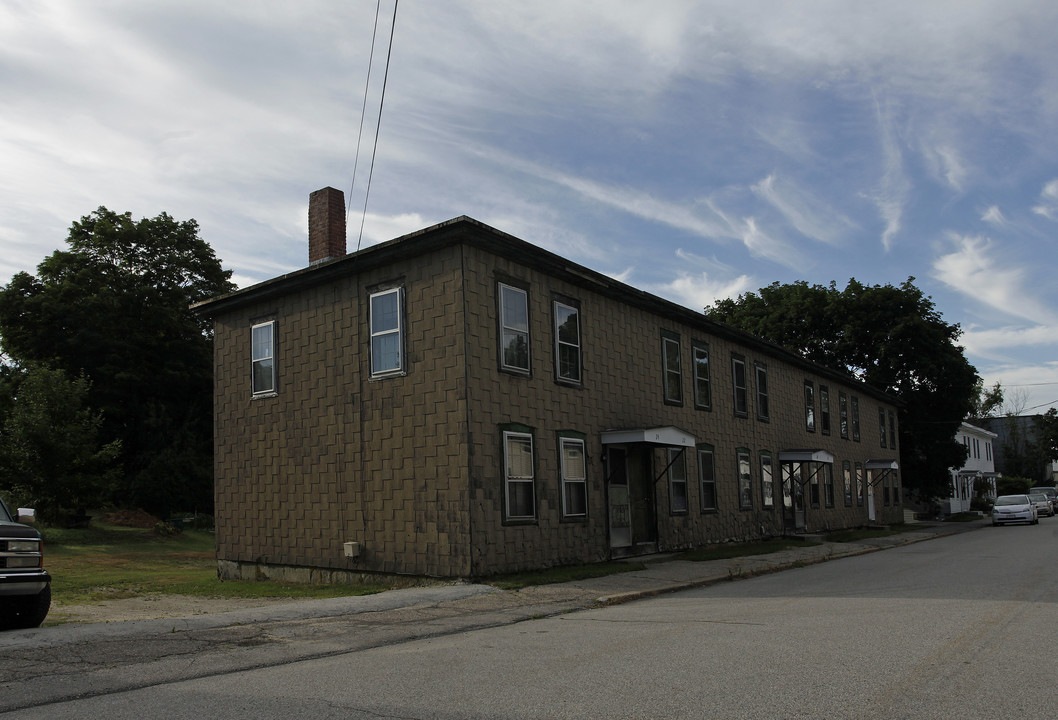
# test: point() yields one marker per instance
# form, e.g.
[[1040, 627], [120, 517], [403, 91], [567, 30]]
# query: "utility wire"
[[378, 127], [363, 114]]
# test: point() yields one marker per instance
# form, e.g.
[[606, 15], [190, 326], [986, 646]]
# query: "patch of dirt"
[[152, 607], [131, 518]]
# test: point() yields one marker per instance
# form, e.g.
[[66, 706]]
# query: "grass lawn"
[[106, 562]]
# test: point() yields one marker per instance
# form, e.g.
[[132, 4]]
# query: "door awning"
[[668, 436], [820, 456], [882, 465]]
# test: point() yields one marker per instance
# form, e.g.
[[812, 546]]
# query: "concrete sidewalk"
[[54, 663]]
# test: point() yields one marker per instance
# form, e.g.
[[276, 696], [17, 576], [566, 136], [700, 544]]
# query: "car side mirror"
[[27, 516]]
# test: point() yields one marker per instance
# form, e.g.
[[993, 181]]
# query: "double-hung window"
[[670, 358], [707, 477], [262, 351], [843, 414], [860, 480], [846, 473], [387, 332], [824, 410], [738, 381], [767, 484], [677, 481], [828, 484], [519, 476], [514, 329], [810, 407], [745, 479], [574, 478], [855, 418], [892, 430], [567, 343], [703, 394], [881, 427], [762, 391]]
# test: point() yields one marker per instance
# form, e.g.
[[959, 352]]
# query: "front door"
[[793, 497], [617, 491], [631, 496]]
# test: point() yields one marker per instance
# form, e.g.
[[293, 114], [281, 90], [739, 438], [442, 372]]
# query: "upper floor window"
[[703, 393], [518, 475], [567, 342], [262, 352], [855, 418], [824, 410], [738, 380], [762, 391], [677, 481], [881, 427], [843, 414], [892, 430], [810, 407], [514, 325], [387, 332], [574, 478], [670, 358]]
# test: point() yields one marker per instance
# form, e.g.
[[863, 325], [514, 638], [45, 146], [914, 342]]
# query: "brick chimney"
[[326, 225]]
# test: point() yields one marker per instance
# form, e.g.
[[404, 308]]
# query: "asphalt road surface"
[[958, 627]]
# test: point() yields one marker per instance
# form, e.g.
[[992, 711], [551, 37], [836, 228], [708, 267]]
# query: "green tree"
[[115, 306], [50, 453], [892, 338]]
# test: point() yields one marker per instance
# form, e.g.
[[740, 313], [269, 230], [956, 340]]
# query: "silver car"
[[1043, 504], [1014, 508]]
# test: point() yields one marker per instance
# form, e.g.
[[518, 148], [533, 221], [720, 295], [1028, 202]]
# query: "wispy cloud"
[[812, 217], [972, 271], [1048, 206], [993, 216], [894, 186], [701, 290]]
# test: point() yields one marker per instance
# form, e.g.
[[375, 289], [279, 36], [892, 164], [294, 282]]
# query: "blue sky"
[[692, 149]]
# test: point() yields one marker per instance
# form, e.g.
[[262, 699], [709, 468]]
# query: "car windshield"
[[1012, 500], [5, 516], [1044, 491], [1039, 497]]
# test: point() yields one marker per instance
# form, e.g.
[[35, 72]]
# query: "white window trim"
[[271, 324], [509, 479], [504, 328], [398, 331], [559, 343], [569, 480], [676, 372]]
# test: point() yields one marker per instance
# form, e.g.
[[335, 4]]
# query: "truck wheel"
[[26, 612]]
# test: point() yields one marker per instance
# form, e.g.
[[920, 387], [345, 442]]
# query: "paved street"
[[950, 627]]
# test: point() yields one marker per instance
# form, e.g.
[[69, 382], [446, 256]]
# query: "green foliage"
[[1013, 485], [115, 307], [986, 400], [51, 457], [892, 338]]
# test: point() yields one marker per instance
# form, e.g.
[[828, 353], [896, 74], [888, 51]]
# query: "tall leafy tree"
[[115, 307], [890, 337], [51, 457]]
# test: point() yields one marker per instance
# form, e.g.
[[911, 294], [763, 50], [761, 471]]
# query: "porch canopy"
[[887, 466], [793, 456], [668, 435], [789, 457]]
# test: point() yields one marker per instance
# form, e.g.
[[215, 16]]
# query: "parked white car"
[[1014, 508], [1044, 508]]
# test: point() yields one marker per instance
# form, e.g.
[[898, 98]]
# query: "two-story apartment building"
[[458, 402]]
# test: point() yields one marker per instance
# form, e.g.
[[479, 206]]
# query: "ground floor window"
[[861, 481], [767, 482], [519, 480], [828, 483], [574, 478], [707, 477], [813, 484], [677, 481], [846, 472], [745, 480]]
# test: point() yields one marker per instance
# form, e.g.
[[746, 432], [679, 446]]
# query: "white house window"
[[574, 479], [514, 323], [677, 481], [703, 396], [738, 379], [387, 353], [518, 470], [745, 480], [567, 343], [707, 478], [262, 341], [670, 356]]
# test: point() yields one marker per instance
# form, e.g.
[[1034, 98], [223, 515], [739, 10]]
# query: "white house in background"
[[978, 475]]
